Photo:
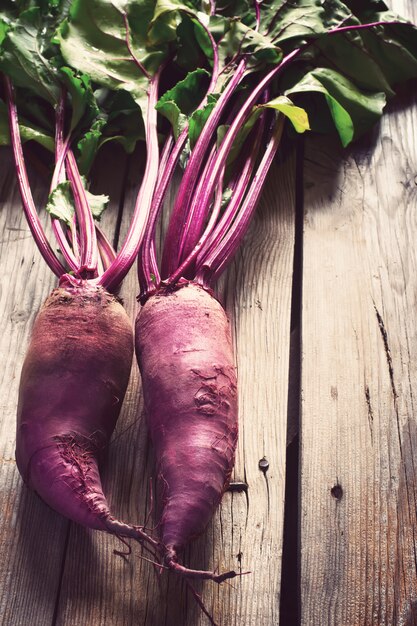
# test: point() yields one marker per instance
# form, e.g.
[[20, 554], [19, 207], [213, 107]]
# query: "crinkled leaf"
[[289, 23], [165, 20], [97, 203], [394, 48], [60, 203], [187, 25], [349, 55], [83, 103], [350, 52], [95, 40], [24, 57], [242, 40], [167, 17], [375, 59], [180, 101], [88, 146]]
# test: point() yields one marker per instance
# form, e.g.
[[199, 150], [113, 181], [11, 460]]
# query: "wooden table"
[[323, 300]]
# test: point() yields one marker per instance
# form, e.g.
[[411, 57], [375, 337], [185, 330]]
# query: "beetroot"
[[184, 351], [72, 386]]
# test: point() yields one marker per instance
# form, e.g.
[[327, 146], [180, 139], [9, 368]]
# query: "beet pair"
[[72, 387]]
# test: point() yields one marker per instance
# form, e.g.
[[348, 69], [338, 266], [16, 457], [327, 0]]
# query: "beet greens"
[[97, 67]]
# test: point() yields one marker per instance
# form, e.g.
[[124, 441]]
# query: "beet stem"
[[114, 275], [87, 229], [221, 255], [61, 149], [177, 233], [25, 192]]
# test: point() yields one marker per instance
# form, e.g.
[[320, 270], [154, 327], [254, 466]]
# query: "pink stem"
[[147, 263], [75, 240], [238, 193], [61, 149], [189, 234], [176, 235], [24, 187], [257, 13], [198, 216], [218, 260], [193, 255], [87, 229], [113, 276], [129, 47]]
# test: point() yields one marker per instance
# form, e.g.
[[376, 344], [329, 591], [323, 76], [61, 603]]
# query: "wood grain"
[[32, 537], [359, 356]]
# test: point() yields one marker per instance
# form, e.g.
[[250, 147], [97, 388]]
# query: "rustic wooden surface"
[[358, 485], [352, 561]]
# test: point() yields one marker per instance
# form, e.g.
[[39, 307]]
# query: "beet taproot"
[[184, 350], [71, 391]]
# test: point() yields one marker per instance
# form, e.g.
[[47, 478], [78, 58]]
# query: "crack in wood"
[[370, 412], [55, 615], [247, 497], [384, 336]]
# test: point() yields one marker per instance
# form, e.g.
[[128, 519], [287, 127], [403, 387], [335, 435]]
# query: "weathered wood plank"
[[359, 372], [247, 531], [32, 537]]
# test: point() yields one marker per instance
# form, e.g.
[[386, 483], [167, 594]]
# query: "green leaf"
[[24, 57], [189, 53], [28, 131], [353, 111], [199, 118], [4, 27], [166, 18], [88, 146], [395, 48], [180, 101], [124, 120], [60, 203], [97, 203], [177, 119], [289, 23], [297, 116], [259, 50], [96, 41], [226, 197], [82, 98]]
